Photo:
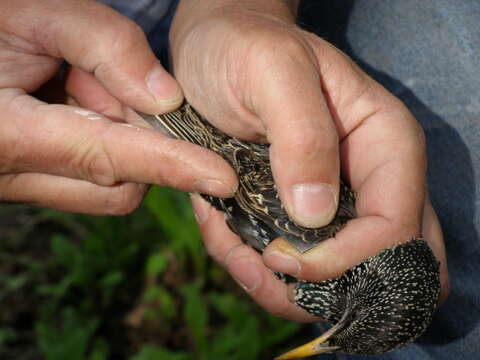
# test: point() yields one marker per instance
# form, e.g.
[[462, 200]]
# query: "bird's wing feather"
[[257, 194]]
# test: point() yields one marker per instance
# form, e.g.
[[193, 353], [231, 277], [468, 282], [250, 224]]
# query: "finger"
[[382, 146], [269, 292], [303, 138], [80, 144], [377, 227], [71, 195], [332, 257], [360, 239], [244, 264], [218, 240], [89, 93], [383, 158], [111, 47]]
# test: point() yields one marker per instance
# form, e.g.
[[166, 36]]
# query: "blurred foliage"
[[139, 287]]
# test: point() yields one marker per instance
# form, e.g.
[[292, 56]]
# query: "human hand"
[[86, 159], [249, 70]]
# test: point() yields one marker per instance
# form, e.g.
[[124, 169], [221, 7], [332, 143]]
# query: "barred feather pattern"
[[256, 209]]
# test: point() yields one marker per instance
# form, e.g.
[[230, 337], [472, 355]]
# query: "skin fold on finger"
[[82, 144], [112, 47], [244, 264], [71, 195]]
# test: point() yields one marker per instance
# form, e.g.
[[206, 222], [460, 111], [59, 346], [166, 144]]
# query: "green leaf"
[[6, 334], [167, 304], [239, 339], [158, 294], [149, 352], [70, 341], [156, 264], [174, 214], [64, 251], [100, 350], [281, 330], [14, 283], [95, 244], [112, 278], [196, 316], [233, 309], [55, 291]]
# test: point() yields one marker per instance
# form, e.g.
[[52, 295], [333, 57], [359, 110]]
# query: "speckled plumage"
[[381, 304], [387, 301]]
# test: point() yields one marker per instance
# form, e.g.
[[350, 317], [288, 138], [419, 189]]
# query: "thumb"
[[98, 40]]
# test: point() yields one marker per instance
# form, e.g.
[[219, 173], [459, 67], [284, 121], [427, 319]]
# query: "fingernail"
[[163, 86], [245, 272], [284, 263], [213, 187], [201, 208], [314, 205]]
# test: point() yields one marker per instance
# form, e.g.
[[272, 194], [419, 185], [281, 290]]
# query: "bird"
[[383, 303]]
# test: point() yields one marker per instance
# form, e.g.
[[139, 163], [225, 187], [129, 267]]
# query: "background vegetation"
[[138, 287]]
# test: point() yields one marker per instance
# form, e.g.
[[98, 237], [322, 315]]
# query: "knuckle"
[[96, 165], [291, 44], [212, 249], [272, 52], [15, 136], [279, 310], [213, 252], [122, 39], [8, 188], [125, 36], [285, 45], [311, 143], [125, 199]]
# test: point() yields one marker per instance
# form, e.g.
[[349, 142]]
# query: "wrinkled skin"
[[65, 157], [318, 110], [253, 74]]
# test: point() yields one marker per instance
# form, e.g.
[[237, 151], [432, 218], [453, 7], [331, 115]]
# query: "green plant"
[[138, 287]]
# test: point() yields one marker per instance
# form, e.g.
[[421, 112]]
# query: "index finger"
[[81, 144], [244, 264]]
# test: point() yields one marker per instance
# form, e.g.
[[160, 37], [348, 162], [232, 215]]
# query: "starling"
[[383, 303]]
